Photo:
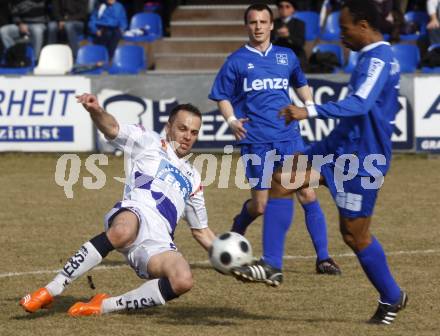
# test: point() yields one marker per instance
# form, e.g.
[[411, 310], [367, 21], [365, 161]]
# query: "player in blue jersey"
[[357, 152], [251, 89]]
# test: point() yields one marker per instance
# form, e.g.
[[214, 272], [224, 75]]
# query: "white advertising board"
[[40, 114], [427, 113]]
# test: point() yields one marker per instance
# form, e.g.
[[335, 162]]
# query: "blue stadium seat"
[[419, 18], [334, 48], [408, 56], [311, 19], [331, 30], [90, 55], [128, 59], [434, 46], [20, 71], [352, 60], [435, 70], [427, 69], [151, 23]]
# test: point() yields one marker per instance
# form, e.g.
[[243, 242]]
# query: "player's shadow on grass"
[[206, 316], [60, 306], [291, 269], [113, 263], [202, 266], [320, 320], [169, 315]]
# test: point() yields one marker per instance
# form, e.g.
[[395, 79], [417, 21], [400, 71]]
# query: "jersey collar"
[[287, 19], [248, 47], [372, 46]]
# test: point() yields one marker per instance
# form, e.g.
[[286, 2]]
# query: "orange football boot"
[[93, 307], [41, 298]]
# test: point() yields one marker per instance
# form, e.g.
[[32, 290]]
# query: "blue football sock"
[[242, 220], [278, 217], [317, 227], [374, 263]]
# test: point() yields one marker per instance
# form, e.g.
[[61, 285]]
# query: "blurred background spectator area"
[[195, 35]]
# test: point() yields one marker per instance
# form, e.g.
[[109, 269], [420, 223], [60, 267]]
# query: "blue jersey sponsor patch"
[[174, 176]]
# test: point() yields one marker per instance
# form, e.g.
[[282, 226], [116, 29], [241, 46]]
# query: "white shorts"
[[153, 236]]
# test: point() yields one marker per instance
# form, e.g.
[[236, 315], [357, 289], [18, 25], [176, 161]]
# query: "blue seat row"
[[128, 59], [332, 32], [407, 55]]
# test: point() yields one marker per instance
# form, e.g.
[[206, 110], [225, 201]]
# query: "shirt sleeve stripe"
[[374, 70]]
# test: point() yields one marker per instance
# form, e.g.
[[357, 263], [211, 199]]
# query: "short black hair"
[[184, 107], [363, 10], [292, 2], [258, 7]]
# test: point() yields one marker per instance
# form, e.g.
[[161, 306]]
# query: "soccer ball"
[[230, 250]]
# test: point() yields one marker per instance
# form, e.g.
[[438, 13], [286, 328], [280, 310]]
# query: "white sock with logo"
[[147, 295], [81, 262]]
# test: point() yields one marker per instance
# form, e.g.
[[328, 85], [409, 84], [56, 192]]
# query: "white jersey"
[[157, 179]]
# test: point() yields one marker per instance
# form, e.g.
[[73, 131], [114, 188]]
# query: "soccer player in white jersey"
[[161, 187]]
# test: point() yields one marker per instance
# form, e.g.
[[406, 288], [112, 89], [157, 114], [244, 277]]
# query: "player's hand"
[[89, 102], [292, 112], [238, 129], [283, 31], [23, 28], [433, 24]]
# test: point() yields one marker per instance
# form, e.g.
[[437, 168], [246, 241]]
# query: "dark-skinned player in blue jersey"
[[357, 152]]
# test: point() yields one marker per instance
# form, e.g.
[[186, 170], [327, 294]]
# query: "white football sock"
[[147, 295], [82, 261]]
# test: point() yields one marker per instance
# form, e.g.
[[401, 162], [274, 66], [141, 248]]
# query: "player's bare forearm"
[[236, 125], [225, 108], [204, 237], [305, 94], [104, 121]]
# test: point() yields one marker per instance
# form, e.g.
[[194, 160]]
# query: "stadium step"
[[208, 28], [208, 13], [202, 36], [193, 62], [185, 45]]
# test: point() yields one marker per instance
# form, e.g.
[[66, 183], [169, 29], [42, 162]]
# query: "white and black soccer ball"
[[230, 250]]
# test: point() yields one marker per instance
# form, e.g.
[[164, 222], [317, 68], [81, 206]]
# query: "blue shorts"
[[260, 162], [351, 197]]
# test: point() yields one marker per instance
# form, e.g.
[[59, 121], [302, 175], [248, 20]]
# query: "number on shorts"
[[349, 201]]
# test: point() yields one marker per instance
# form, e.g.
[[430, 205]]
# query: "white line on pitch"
[[204, 262]]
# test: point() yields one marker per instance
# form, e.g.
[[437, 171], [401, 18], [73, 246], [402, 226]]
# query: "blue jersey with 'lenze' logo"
[[257, 85]]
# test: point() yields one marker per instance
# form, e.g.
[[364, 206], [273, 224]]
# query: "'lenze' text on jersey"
[[266, 83]]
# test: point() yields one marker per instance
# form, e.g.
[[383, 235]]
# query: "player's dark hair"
[[363, 10], [185, 107], [292, 2], [258, 7]]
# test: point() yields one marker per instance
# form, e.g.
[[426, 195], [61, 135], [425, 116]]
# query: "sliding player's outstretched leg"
[[88, 256], [176, 280]]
